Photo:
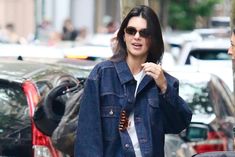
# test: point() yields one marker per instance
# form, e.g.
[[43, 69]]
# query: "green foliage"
[[183, 13]]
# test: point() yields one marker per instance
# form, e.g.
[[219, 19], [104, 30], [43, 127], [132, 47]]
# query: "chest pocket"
[[110, 120], [153, 99], [155, 111]]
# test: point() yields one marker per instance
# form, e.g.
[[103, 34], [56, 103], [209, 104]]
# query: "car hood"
[[203, 118]]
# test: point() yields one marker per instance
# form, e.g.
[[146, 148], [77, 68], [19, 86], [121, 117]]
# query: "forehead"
[[137, 22]]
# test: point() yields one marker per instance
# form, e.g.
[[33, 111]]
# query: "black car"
[[23, 84]]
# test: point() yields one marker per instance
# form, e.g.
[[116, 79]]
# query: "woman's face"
[[231, 50], [137, 37]]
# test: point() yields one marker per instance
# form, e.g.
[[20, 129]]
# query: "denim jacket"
[[109, 90]]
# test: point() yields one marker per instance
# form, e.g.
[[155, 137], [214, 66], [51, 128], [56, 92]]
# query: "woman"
[[231, 49], [129, 102]]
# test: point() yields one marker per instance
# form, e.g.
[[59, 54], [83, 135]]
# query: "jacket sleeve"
[[176, 112], [89, 133]]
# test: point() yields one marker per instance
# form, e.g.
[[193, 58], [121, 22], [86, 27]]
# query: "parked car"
[[220, 22], [175, 146], [213, 109], [22, 85], [206, 50]]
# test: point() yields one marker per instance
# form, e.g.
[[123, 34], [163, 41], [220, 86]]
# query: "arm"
[[89, 133], [176, 112]]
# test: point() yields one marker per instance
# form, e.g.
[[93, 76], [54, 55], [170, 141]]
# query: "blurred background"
[[44, 19], [77, 34]]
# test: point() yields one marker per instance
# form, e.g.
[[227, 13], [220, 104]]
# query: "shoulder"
[[103, 65], [100, 67]]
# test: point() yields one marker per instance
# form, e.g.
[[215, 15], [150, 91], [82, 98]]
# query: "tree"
[[183, 13]]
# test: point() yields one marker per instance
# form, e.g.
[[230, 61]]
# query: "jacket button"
[[127, 145], [111, 112]]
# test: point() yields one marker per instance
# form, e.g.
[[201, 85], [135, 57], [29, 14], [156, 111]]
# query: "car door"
[[15, 125]]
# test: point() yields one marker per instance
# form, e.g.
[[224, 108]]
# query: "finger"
[[151, 74], [150, 64], [155, 69], [147, 64]]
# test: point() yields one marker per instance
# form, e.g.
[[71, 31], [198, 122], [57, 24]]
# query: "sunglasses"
[[132, 31]]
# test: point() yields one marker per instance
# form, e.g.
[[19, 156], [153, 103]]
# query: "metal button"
[[111, 112], [127, 145]]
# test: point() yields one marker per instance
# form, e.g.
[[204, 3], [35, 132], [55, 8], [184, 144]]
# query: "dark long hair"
[[156, 49]]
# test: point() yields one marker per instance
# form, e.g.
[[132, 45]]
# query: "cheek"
[[148, 43], [126, 39], [230, 50]]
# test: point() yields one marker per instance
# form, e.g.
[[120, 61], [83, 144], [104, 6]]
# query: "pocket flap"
[[153, 103]]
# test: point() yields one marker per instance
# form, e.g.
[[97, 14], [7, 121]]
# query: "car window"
[[43, 87], [14, 111], [207, 97], [204, 54], [197, 97], [221, 99]]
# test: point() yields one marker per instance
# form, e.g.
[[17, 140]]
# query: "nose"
[[230, 52], [137, 35]]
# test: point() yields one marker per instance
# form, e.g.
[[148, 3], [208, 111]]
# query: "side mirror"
[[195, 133]]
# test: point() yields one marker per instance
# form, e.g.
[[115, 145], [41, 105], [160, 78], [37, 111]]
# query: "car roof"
[[225, 73], [18, 71], [211, 43], [203, 118], [13, 69], [205, 45], [198, 74]]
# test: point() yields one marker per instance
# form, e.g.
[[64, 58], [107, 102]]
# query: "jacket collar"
[[125, 74], [123, 71]]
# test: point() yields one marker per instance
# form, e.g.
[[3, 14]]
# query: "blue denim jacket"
[[109, 90]]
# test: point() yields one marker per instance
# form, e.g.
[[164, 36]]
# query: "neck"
[[135, 64]]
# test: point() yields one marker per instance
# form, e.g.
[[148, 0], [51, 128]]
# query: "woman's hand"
[[156, 72]]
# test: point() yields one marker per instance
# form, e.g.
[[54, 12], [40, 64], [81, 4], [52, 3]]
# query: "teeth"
[[137, 45]]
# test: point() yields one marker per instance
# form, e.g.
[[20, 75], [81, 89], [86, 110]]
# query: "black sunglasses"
[[132, 31]]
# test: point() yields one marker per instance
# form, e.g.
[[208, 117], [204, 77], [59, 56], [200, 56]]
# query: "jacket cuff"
[[169, 94]]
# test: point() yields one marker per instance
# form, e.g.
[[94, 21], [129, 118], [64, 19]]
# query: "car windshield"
[[197, 97], [14, 114], [210, 54]]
